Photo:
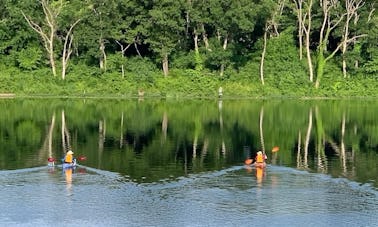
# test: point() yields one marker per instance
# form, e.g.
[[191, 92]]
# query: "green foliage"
[[371, 67], [160, 28], [29, 58], [141, 70]]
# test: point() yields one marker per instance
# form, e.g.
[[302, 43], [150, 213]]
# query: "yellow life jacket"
[[68, 158], [259, 158]]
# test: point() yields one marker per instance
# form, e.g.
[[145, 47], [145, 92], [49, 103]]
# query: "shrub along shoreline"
[[180, 84]]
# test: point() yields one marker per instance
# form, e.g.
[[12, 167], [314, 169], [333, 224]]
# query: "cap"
[[69, 152]]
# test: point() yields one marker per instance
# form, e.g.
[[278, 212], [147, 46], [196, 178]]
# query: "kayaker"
[[260, 157], [69, 157]]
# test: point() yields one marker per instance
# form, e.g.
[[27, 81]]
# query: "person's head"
[[69, 152]]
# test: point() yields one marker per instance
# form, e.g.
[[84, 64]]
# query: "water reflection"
[[153, 140], [68, 176]]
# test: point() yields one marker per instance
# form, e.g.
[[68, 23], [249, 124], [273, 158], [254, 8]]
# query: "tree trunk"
[[351, 7], [320, 63], [51, 54], [263, 55], [198, 59], [300, 28], [225, 41], [51, 13], [204, 37], [307, 31], [67, 49], [103, 57], [165, 65], [195, 38]]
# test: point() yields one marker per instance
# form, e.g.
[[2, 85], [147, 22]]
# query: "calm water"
[[180, 163]]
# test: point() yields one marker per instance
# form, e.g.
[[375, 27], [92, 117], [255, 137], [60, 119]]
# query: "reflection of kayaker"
[[68, 175], [259, 174]]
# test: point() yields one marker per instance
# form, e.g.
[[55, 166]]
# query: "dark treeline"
[[286, 44]]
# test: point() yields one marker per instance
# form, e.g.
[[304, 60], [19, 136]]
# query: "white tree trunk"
[[165, 65]]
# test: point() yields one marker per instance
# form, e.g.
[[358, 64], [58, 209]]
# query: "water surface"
[[180, 163]]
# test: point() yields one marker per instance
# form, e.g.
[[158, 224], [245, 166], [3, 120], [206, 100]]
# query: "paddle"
[[275, 149], [249, 161]]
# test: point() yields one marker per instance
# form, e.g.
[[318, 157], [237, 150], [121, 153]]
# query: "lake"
[[168, 162]]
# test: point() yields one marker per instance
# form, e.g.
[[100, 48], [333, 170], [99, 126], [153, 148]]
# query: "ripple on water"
[[230, 197]]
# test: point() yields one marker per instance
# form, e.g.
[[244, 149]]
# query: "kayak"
[[260, 164], [69, 165]]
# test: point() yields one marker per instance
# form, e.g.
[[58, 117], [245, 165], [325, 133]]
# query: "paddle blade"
[[82, 158], [275, 149], [248, 161], [51, 159]]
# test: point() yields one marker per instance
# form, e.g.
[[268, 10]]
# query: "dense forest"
[[189, 47]]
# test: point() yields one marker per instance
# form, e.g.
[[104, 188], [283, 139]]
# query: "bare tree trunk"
[[271, 24], [165, 65], [328, 25], [67, 49], [307, 30], [204, 38], [123, 50], [225, 41], [51, 13], [103, 58], [263, 55], [197, 57], [299, 9], [195, 39], [351, 7]]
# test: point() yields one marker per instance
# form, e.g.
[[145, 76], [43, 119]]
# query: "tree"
[[331, 19], [351, 7], [48, 28], [129, 29], [231, 18], [165, 29], [271, 26], [298, 8], [197, 17], [306, 26]]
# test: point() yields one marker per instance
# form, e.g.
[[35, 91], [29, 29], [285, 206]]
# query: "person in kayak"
[[69, 157], [259, 157]]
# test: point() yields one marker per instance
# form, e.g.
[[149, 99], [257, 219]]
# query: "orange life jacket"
[[68, 158], [259, 158]]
